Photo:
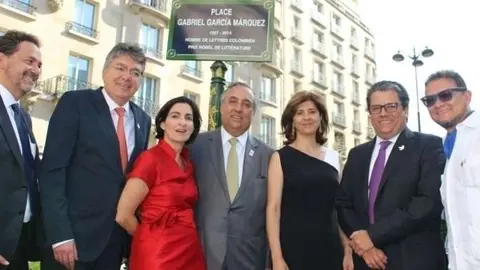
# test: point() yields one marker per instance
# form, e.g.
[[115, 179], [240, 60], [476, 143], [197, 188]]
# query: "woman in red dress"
[[162, 184]]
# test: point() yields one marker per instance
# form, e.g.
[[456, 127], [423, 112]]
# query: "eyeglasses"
[[389, 108], [444, 96]]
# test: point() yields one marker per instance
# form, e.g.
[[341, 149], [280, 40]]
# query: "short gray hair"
[[241, 84], [129, 49]]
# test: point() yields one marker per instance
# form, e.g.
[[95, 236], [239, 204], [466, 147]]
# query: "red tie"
[[122, 142]]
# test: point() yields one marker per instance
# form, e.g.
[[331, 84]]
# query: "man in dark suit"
[[20, 221], [93, 138], [389, 202]]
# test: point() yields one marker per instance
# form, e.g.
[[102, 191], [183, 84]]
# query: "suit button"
[[24, 188]]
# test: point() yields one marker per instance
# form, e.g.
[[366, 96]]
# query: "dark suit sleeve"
[[59, 147], [344, 202], [423, 207], [149, 127]]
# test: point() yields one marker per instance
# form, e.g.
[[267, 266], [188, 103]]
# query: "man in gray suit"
[[231, 173]]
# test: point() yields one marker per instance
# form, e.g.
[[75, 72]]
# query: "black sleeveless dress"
[[309, 234]]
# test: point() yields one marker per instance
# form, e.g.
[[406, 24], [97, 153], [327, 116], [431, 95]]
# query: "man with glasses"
[[448, 102], [389, 200], [93, 138]]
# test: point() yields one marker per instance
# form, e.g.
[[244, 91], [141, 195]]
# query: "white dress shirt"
[[129, 131], [461, 196], [241, 145], [8, 101]]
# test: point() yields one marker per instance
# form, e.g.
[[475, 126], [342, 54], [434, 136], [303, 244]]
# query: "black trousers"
[[109, 259]]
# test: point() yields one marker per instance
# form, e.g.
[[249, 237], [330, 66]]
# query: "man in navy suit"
[[93, 138], [389, 202], [20, 219]]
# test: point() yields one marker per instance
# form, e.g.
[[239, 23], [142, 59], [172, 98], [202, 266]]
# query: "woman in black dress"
[[303, 179]]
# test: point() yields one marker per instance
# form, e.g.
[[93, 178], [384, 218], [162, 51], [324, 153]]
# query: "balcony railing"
[[149, 106], [19, 5], [338, 88], [340, 147], [60, 84], [195, 71], [356, 126], [319, 47], [268, 139], [81, 29], [297, 66], [151, 51], [356, 97], [160, 5], [318, 17], [339, 119], [268, 96]]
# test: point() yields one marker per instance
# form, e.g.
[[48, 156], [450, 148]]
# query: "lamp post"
[[416, 62]]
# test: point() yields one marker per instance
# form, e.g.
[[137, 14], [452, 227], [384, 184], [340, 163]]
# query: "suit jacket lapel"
[[217, 159], [7, 127], [366, 173], [400, 152], [108, 128], [248, 164]]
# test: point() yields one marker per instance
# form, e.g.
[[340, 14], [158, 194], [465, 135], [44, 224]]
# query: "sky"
[[449, 30]]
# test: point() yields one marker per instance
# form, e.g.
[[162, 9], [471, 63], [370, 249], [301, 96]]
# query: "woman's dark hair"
[[165, 110], [291, 109]]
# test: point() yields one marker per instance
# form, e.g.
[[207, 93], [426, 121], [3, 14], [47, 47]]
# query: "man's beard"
[[454, 122]]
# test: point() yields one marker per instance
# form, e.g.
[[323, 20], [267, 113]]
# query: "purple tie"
[[375, 179]]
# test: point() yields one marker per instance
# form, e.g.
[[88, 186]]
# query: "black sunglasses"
[[444, 96]]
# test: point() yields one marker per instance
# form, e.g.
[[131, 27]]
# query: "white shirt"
[[461, 196], [241, 145], [129, 131], [376, 151], [8, 101]]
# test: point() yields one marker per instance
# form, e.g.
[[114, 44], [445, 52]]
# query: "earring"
[[294, 133]]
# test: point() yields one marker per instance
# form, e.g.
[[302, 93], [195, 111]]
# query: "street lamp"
[[416, 62]]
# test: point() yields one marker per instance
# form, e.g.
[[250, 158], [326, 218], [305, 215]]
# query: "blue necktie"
[[449, 142], [28, 159]]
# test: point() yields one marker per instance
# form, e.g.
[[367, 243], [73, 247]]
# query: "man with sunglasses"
[[448, 101], [389, 199]]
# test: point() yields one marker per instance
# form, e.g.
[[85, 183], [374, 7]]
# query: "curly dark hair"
[[291, 109], [163, 113]]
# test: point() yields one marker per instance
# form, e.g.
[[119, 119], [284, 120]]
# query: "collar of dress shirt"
[[8, 99], [472, 121], [378, 140], [242, 139], [112, 105]]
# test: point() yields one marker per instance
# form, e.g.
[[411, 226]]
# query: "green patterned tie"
[[232, 169]]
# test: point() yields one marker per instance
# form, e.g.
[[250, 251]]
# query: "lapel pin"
[[401, 147], [251, 153], [138, 126]]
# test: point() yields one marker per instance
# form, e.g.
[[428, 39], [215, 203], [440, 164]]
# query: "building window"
[[337, 51], [150, 40], [78, 72], [146, 96], [193, 97], [318, 7], [1, 33], [354, 63], [297, 86], [84, 18], [297, 24], [356, 141], [267, 130], [337, 20], [267, 90], [337, 80]]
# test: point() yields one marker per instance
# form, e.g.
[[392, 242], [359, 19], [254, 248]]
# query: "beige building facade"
[[320, 46]]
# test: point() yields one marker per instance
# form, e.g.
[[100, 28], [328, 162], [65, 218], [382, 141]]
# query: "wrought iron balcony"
[[151, 51], [149, 106], [160, 5], [81, 29], [338, 118], [356, 126], [60, 84], [195, 71], [19, 5]]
